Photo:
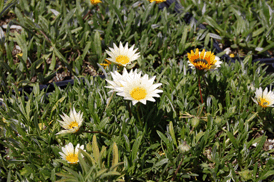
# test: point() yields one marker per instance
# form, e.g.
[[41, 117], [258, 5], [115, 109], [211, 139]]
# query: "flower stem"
[[129, 110], [199, 84], [86, 14], [204, 80], [177, 170]]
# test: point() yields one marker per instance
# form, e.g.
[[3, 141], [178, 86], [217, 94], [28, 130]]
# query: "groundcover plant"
[[169, 108]]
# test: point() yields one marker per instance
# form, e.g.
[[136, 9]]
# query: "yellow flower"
[[105, 64], [264, 98], [94, 2], [231, 55], [19, 54], [70, 154], [203, 60], [157, 1]]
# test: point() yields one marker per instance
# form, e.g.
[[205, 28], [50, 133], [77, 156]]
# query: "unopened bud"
[[195, 122], [89, 147], [184, 147]]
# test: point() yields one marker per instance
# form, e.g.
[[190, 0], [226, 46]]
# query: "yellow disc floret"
[[73, 124], [157, 1], [122, 59], [263, 102], [138, 93], [94, 2], [72, 158]]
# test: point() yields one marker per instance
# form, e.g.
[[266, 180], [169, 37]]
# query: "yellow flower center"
[[94, 2], [157, 1], [138, 93], [201, 64], [73, 124], [72, 158], [122, 59], [263, 102]]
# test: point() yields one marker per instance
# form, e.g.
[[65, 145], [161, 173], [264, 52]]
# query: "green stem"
[[129, 109]]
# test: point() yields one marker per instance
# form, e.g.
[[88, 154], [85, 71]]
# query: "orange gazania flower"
[[203, 60], [157, 1], [94, 2]]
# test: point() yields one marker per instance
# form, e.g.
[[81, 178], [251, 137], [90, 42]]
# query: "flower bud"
[[89, 147], [184, 147], [195, 122]]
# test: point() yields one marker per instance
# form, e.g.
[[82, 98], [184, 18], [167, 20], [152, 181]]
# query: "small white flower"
[[227, 51], [71, 123], [70, 154], [122, 55], [117, 78], [264, 98], [138, 89]]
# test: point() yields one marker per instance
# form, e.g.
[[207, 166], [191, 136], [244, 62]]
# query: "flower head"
[[137, 88], [71, 123], [94, 2], [203, 60], [70, 154], [122, 55], [157, 1], [264, 98], [117, 78]]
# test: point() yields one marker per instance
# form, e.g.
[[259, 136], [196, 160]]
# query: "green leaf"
[[171, 131], [117, 12], [97, 44], [233, 140], [115, 155], [260, 146], [267, 47], [135, 148], [56, 51], [22, 44], [57, 103], [53, 62], [258, 32], [267, 174], [162, 162], [96, 152], [66, 20]]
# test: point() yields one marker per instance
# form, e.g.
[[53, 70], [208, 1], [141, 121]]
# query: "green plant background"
[[70, 38]]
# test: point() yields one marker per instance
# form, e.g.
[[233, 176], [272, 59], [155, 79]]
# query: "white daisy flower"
[[122, 55], [70, 154], [71, 123], [139, 89], [203, 60], [264, 98], [117, 78]]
